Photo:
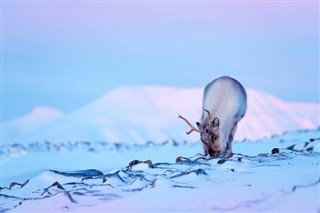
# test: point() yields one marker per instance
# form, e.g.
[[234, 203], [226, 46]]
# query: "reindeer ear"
[[215, 122], [198, 124]]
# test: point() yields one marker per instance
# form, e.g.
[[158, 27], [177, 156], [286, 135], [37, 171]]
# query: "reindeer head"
[[210, 134]]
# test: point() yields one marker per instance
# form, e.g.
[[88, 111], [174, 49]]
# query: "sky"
[[65, 54]]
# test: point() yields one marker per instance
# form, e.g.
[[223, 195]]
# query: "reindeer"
[[224, 105]]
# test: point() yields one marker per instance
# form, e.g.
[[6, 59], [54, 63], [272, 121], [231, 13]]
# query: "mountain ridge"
[[138, 114]]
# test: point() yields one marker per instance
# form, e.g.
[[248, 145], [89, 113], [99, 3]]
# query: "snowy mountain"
[[141, 114], [39, 116]]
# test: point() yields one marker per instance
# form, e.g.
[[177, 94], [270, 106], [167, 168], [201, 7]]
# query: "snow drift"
[[280, 174], [141, 114]]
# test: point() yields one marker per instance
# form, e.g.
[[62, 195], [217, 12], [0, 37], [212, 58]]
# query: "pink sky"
[[269, 46]]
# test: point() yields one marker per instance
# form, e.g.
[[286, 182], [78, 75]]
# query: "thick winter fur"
[[226, 101]]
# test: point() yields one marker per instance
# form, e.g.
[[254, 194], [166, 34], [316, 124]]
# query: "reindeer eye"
[[214, 137]]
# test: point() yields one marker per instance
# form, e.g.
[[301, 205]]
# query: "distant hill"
[[146, 113]]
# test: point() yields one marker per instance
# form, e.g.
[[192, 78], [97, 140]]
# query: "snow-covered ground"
[[128, 151], [170, 176]]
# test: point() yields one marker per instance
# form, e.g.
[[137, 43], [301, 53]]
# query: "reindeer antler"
[[209, 114], [190, 125]]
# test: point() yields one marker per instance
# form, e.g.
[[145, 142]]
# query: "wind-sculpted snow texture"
[[284, 178]]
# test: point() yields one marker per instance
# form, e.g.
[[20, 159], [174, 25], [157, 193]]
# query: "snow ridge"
[[266, 182]]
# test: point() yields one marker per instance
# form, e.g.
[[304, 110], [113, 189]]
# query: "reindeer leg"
[[205, 150], [230, 139]]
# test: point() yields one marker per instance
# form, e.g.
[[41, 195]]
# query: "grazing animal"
[[224, 105]]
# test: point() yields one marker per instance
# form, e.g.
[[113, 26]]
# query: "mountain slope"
[[140, 114]]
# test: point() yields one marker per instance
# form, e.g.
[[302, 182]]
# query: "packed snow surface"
[[279, 174]]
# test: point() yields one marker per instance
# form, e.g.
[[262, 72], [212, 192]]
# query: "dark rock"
[[310, 149], [136, 162], [275, 151], [221, 161], [180, 158]]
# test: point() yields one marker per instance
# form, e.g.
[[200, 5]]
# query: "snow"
[[108, 177], [128, 151], [139, 114], [40, 116]]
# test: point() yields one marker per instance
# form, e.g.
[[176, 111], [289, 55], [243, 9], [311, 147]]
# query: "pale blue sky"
[[66, 54]]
